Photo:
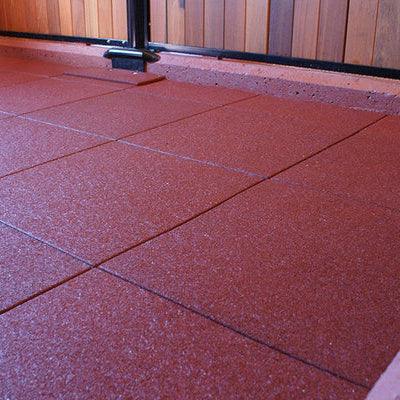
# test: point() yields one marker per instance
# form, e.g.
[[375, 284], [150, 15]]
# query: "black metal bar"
[[145, 55], [61, 38], [138, 23], [296, 62]]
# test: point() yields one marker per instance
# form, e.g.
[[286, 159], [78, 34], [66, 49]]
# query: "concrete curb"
[[367, 93]]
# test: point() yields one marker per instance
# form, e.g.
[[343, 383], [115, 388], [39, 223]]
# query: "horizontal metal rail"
[[61, 38], [290, 61]]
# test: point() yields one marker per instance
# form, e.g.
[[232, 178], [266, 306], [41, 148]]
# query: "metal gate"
[[358, 36]]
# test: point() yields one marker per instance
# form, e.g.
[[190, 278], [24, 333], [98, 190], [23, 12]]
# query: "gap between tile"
[[46, 243], [326, 148], [237, 331], [45, 290], [92, 266], [54, 159], [185, 118], [187, 158], [180, 224]]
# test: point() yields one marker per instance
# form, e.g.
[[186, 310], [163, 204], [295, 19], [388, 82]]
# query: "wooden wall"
[[353, 31], [88, 18]]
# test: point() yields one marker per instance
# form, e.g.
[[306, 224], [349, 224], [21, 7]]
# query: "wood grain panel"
[[3, 22], [32, 23], [176, 21], [257, 25], [6, 10], [105, 17], [120, 19], [194, 22], [16, 15], [305, 28], [91, 18], [158, 21], [332, 30], [235, 25], [78, 17], [281, 27], [42, 16], [53, 17], [387, 45], [65, 11], [214, 24], [361, 31]]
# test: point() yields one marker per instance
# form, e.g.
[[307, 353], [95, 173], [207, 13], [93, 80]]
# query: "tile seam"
[[235, 330], [326, 147], [193, 217]]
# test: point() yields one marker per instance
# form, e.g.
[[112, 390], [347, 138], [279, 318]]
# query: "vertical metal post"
[[138, 23]]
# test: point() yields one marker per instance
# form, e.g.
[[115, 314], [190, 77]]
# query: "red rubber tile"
[[4, 115], [216, 96], [101, 201], [116, 75], [44, 93], [326, 116], [365, 167], [247, 140], [120, 114], [15, 78], [113, 86], [99, 337], [37, 67], [28, 266], [26, 143], [303, 271]]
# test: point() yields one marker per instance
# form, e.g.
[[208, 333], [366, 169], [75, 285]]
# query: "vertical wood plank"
[[332, 30], [361, 27], [194, 23], [235, 25], [281, 27], [65, 12], [176, 21], [16, 16], [105, 17], [214, 24], [41, 16], [387, 44], [3, 23], [3, 15], [7, 14], [305, 28], [91, 18], [32, 23], [158, 21], [120, 18], [53, 17], [78, 17], [257, 26]]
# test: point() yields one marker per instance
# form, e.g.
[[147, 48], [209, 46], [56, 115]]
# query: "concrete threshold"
[[349, 90]]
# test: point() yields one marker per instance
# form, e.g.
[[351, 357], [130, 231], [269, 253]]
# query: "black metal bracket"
[[130, 58], [136, 56]]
